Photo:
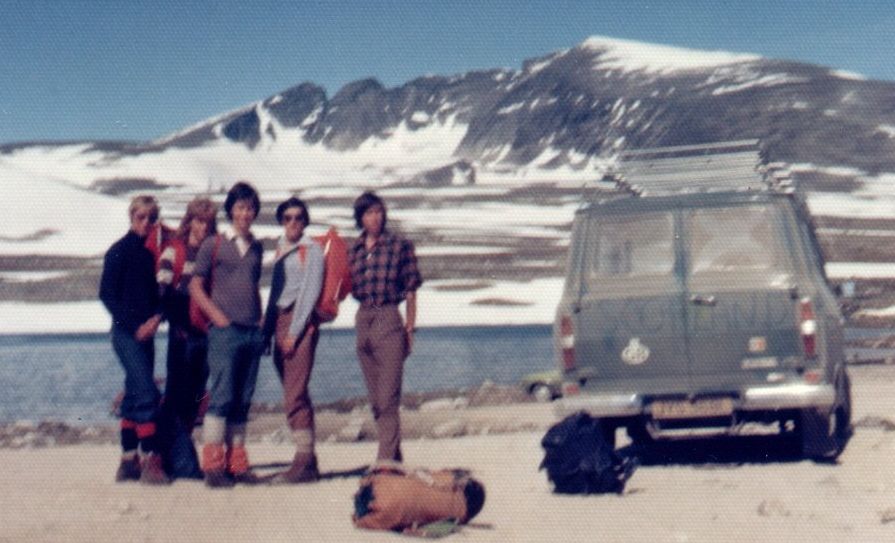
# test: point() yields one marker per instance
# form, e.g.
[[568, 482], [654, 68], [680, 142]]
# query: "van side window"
[[740, 239], [631, 246]]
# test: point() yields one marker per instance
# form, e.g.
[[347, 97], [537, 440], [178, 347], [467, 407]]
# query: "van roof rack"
[[710, 167]]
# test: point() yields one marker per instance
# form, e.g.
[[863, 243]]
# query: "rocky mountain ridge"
[[573, 106]]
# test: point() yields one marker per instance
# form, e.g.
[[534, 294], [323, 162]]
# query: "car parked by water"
[[543, 386], [702, 309]]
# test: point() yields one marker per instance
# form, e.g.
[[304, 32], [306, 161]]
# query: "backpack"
[[417, 501], [579, 459], [336, 275], [158, 236]]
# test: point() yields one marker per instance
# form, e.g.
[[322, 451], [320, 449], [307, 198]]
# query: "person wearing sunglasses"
[[129, 291], [290, 320]]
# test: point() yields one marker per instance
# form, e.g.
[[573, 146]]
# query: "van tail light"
[[567, 342], [813, 377], [808, 327]]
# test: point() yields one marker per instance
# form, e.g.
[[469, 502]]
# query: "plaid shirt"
[[385, 274]]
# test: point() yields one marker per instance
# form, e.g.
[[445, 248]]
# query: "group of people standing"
[[205, 283]]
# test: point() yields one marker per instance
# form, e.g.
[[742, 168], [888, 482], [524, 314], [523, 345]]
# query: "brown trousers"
[[382, 348], [294, 364]]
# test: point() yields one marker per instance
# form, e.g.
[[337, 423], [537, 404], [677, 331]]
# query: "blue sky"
[[139, 70]]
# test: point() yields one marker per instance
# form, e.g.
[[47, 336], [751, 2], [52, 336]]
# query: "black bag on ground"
[[176, 447], [579, 459]]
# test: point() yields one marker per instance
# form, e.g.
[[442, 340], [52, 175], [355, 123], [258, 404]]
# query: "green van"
[[704, 310]]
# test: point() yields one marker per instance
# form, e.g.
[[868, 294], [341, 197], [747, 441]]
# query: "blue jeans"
[[233, 356], [141, 396]]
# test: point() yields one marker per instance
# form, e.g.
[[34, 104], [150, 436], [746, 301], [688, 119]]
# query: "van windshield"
[[629, 246], [733, 239]]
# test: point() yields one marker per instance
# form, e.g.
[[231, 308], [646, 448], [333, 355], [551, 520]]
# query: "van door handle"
[[698, 299]]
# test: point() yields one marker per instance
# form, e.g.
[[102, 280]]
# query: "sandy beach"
[[734, 490]]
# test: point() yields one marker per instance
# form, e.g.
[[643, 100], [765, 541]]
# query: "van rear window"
[[739, 239], [631, 246]]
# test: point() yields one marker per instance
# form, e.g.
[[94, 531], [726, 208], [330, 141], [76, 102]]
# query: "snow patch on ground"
[[860, 270], [886, 129], [883, 312], [833, 204], [31, 276], [453, 250]]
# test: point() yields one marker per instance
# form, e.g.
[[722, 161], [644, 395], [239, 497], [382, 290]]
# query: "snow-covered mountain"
[[558, 116], [474, 164]]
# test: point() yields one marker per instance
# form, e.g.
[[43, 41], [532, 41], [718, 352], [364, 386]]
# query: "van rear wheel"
[[824, 434]]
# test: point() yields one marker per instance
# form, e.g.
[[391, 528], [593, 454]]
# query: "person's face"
[[372, 220], [198, 230], [141, 220], [293, 225], [242, 213]]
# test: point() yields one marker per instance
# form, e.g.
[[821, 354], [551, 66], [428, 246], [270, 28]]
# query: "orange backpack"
[[336, 275], [398, 499]]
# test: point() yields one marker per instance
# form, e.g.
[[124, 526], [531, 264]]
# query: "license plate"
[[683, 409]]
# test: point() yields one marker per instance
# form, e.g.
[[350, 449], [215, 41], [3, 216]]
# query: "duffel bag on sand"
[[393, 497]]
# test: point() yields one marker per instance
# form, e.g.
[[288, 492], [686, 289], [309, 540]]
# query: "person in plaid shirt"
[[383, 274]]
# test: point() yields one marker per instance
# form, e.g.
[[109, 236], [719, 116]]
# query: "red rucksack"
[[161, 238], [336, 275]]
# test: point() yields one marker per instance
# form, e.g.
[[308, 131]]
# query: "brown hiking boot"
[[303, 470], [238, 465], [214, 464], [153, 473], [128, 469]]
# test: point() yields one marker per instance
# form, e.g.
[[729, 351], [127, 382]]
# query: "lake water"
[[73, 378]]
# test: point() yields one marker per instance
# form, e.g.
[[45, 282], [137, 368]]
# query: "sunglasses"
[[292, 217], [151, 217]]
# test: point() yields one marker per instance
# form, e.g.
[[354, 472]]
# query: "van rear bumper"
[[765, 398]]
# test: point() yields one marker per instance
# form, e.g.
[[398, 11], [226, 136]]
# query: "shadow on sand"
[[716, 452]]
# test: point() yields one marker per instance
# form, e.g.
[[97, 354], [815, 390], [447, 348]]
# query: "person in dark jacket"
[[129, 291], [290, 319]]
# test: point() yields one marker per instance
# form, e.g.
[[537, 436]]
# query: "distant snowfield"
[[501, 303], [875, 199], [50, 208], [43, 215]]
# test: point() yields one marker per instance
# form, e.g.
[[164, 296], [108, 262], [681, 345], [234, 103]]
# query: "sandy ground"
[[66, 493]]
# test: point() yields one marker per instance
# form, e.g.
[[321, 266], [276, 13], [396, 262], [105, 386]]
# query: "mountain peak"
[[631, 56]]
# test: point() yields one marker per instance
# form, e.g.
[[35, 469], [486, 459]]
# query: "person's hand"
[[220, 322], [410, 331], [148, 328]]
